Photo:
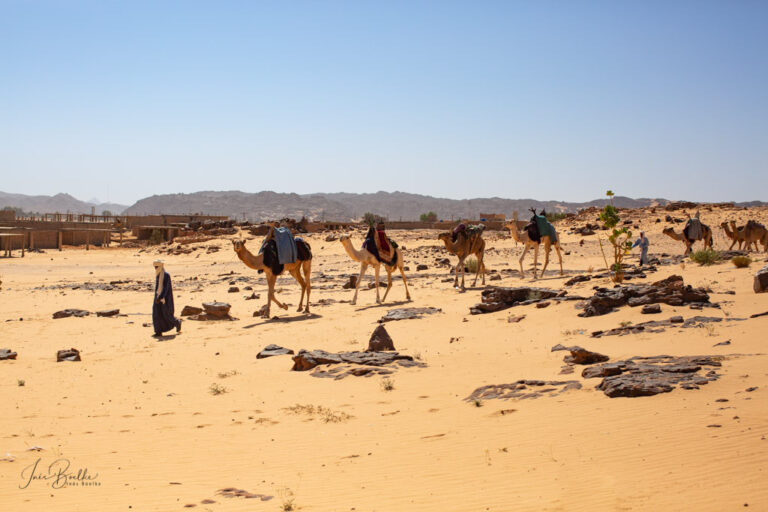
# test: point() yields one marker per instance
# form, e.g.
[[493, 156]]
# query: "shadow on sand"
[[284, 320]]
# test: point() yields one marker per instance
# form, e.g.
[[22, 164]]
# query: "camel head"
[[724, 225], [343, 238], [444, 236], [238, 245], [668, 231]]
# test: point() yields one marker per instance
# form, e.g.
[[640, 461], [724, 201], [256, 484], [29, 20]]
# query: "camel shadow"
[[284, 320], [384, 305]]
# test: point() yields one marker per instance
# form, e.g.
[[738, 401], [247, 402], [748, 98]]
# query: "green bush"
[[156, 238], [706, 256], [554, 217], [428, 217], [741, 261]]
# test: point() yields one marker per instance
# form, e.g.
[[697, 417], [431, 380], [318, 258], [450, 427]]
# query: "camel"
[[706, 231], [367, 259], [463, 247], [751, 233], [256, 262], [522, 237], [732, 234]]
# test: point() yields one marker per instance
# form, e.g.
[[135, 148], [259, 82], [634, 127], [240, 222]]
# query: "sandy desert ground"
[[138, 414]]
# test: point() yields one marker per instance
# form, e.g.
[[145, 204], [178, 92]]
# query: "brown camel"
[[707, 237], [521, 236], [367, 259], [732, 234], [257, 263], [463, 247], [751, 233]]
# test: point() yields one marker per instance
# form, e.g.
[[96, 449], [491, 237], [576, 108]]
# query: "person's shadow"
[[164, 337]]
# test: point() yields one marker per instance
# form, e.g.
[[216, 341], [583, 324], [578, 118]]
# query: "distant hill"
[[342, 206], [59, 203]]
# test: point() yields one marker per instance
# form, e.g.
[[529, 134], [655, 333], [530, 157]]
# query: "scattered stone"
[[671, 291], [408, 313], [651, 309], [647, 376], [217, 309], [261, 312], [515, 319], [756, 315], [273, 350], [232, 492], [371, 363], [233, 289], [253, 296], [581, 355], [498, 298], [577, 279], [658, 326], [761, 280], [6, 354], [522, 389], [726, 342], [495, 277], [749, 390], [68, 355], [191, 310], [543, 304], [421, 266], [676, 319], [108, 312], [331, 238], [380, 340], [65, 313], [351, 283]]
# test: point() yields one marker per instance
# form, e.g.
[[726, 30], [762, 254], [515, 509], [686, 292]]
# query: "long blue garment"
[[286, 246], [162, 314]]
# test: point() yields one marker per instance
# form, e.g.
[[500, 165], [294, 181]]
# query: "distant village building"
[[493, 216]]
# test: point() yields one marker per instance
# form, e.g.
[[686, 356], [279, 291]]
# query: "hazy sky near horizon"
[[541, 99]]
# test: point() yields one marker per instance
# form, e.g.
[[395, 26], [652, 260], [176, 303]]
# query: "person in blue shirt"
[[643, 243]]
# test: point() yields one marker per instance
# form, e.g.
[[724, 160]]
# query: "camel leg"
[[307, 266], [559, 257], [271, 280], [522, 257], [535, 260], [456, 274], [479, 268], [547, 250], [376, 277], [405, 283], [363, 266], [296, 273], [461, 267], [389, 282]]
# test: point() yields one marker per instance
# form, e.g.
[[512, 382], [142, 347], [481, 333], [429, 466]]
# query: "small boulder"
[[421, 266], [273, 350], [65, 313], [71, 354], [351, 283], [7, 354], [583, 356], [233, 289], [495, 277], [191, 310], [380, 340], [676, 320], [543, 304], [217, 309], [761, 280], [108, 312], [651, 309]]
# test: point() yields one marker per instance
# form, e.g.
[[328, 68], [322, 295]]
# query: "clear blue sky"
[[541, 99]]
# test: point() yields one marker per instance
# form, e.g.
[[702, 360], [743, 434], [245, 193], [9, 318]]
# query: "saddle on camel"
[[471, 231], [380, 245], [540, 227], [281, 248]]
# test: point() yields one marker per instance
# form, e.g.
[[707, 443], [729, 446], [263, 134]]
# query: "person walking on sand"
[[162, 308], [643, 243]]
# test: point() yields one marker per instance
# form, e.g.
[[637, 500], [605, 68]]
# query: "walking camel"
[[751, 233], [706, 237], [523, 237], [464, 246], [256, 262], [367, 259]]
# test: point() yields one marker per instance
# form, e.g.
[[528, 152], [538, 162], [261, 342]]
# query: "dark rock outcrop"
[[6, 354], [581, 355], [658, 326], [671, 291], [191, 310], [65, 313], [273, 350], [380, 340], [108, 312], [408, 313], [71, 354], [761, 280], [651, 309], [309, 359], [522, 389], [498, 298]]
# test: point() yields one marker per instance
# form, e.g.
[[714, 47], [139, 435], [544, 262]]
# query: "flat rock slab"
[[581, 355], [108, 312], [7, 354], [66, 313], [309, 359], [408, 313], [671, 291], [761, 280], [380, 340], [577, 279], [217, 309], [498, 298], [191, 310], [659, 325], [273, 350], [522, 389], [651, 309], [647, 376], [71, 354]]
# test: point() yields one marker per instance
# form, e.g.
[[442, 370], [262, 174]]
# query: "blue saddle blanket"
[[286, 246]]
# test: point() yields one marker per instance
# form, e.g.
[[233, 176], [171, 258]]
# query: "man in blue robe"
[[162, 308]]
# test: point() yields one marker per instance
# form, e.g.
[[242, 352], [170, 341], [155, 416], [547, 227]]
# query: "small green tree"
[[620, 238], [429, 217]]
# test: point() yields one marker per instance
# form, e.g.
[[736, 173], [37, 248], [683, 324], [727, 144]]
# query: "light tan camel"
[[521, 235], [256, 262], [367, 259], [463, 247], [705, 230], [732, 234]]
